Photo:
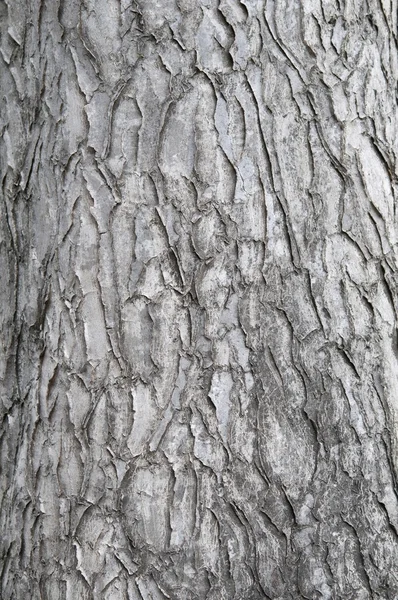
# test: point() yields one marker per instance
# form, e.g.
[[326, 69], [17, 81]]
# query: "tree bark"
[[199, 299]]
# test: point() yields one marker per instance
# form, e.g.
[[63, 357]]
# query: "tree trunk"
[[198, 302]]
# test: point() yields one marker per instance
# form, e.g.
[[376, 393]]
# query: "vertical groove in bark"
[[198, 237]]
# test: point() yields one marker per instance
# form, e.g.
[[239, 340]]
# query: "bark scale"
[[198, 304]]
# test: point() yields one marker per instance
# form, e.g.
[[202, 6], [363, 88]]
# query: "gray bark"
[[198, 303]]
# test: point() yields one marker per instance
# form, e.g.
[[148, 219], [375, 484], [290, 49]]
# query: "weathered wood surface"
[[198, 260]]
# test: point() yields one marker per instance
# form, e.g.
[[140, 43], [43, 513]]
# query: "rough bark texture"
[[198, 302]]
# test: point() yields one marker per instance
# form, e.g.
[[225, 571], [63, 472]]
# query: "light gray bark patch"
[[146, 514]]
